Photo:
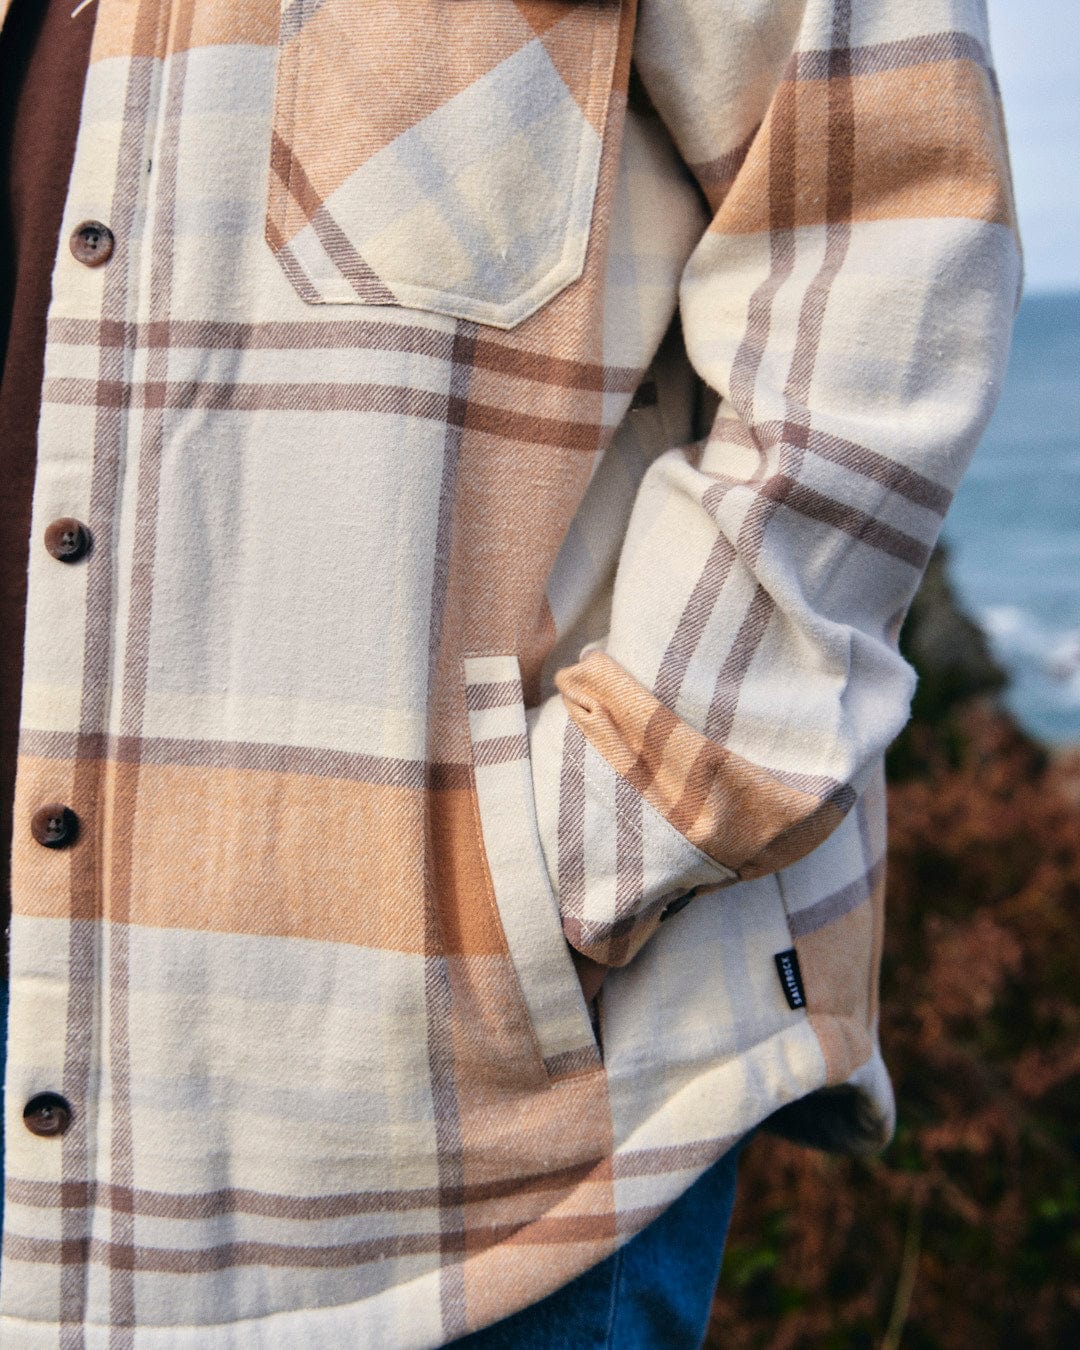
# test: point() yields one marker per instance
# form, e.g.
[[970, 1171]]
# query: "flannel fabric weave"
[[511, 432]]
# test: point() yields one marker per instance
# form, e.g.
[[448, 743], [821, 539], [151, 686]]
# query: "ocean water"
[[1014, 527]]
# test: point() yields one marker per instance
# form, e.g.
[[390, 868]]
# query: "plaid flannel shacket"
[[511, 433]]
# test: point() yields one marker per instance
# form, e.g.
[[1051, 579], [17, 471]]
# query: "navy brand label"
[[787, 967]]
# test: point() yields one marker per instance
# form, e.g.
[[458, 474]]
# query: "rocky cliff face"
[[950, 652], [954, 663]]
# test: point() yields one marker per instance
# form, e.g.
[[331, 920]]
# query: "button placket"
[[54, 825]]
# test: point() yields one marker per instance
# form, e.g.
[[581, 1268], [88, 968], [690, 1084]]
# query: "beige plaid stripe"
[[411, 647]]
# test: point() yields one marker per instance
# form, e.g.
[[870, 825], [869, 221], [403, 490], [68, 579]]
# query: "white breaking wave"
[[1033, 650]]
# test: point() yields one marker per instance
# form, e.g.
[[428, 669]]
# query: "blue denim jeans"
[[654, 1293]]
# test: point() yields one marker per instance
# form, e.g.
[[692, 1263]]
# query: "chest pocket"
[[439, 154]]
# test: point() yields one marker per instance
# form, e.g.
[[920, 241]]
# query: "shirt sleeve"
[[850, 303]]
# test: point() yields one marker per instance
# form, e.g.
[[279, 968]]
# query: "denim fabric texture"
[[654, 1293]]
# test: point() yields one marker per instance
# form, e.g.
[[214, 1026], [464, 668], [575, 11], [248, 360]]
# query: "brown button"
[[46, 1114], [67, 540], [92, 243], [54, 825]]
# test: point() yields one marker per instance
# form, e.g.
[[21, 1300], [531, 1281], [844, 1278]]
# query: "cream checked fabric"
[[511, 432]]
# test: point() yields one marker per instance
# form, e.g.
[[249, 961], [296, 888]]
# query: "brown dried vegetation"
[[966, 1231]]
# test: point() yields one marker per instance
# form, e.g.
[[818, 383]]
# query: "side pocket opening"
[[527, 907]]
